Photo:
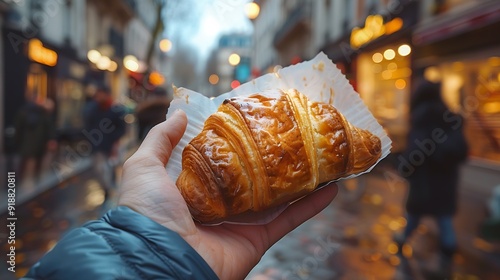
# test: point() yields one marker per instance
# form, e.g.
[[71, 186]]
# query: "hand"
[[230, 250]]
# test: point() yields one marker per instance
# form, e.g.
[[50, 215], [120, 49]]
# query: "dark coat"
[[104, 126], [436, 148], [122, 245]]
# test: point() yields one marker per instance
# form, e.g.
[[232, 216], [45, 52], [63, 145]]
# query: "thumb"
[[163, 137]]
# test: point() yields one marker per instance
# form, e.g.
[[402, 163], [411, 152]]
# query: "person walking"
[[104, 126], [436, 148]]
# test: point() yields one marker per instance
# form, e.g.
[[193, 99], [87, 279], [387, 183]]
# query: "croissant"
[[266, 149]]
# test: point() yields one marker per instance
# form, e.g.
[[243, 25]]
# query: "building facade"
[[59, 50], [264, 54], [456, 42], [229, 64]]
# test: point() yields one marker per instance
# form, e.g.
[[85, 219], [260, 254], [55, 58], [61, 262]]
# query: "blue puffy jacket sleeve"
[[123, 244]]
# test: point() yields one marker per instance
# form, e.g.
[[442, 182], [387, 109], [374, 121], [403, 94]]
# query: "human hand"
[[230, 250]]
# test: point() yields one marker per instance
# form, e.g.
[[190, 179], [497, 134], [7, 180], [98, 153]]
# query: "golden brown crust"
[[268, 148]]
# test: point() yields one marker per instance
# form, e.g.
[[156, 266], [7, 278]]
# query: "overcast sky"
[[199, 23]]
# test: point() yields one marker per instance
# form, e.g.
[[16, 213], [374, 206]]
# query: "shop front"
[[70, 97], [376, 57], [29, 68], [464, 55], [461, 50], [383, 79], [383, 70]]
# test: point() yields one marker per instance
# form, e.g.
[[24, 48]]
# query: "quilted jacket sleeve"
[[122, 245]]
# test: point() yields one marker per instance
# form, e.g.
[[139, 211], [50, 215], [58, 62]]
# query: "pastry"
[[266, 149]]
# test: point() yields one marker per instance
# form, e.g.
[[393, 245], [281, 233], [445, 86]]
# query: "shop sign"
[[373, 29], [38, 53]]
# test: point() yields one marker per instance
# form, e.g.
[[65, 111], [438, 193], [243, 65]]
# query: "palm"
[[231, 250]]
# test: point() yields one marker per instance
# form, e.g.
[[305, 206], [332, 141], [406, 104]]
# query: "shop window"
[[384, 84], [36, 85], [71, 100], [473, 88]]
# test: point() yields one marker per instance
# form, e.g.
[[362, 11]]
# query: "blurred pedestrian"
[[104, 127], [436, 148], [151, 234], [35, 134]]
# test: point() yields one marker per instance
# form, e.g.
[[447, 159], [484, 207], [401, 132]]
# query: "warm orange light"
[[165, 45], [407, 251], [393, 25], [374, 28], [400, 84], [392, 248], [112, 66], [377, 57], [252, 10], [213, 79], [389, 54], [235, 84], [93, 56], [494, 61], [156, 78], [37, 52], [103, 63]]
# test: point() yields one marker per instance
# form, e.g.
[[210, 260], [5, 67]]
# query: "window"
[[36, 86]]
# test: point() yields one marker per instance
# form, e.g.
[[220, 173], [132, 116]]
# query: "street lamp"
[[252, 10], [234, 59], [93, 56], [404, 50], [213, 79], [165, 45], [103, 63], [131, 63]]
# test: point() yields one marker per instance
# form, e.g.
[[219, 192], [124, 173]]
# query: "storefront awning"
[[457, 22]]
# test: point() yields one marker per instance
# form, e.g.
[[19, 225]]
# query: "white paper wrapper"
[[319, 79]]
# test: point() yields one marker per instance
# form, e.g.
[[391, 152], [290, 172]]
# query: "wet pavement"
[[351, 239], [44, 219]]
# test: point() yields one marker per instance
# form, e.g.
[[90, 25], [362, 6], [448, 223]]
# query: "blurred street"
[[45, 216], [353, 239]]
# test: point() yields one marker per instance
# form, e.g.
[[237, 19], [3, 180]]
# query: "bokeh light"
[[389, 54], [252, 10], [234, 59], [165, 45], [377, 57], [404, 50], [213, 79]]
